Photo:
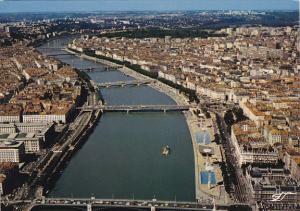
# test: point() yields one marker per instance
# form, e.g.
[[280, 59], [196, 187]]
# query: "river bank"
[[41, 42], [122, 157], [174, 94], [58, 156], [74, 146]]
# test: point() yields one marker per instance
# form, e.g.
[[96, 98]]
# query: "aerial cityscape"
[[123, 105]]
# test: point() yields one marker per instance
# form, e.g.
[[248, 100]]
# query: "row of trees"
[[234, 116], [188, 92]]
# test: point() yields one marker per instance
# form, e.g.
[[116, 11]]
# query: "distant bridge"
[[100, 204], [124, 83], [97, 69], [59, 54], [137, 108], [49, 48]]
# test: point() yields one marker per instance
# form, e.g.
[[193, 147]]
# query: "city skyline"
[[15, 6]]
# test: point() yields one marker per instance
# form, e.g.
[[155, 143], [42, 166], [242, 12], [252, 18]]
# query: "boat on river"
[[166, 150]]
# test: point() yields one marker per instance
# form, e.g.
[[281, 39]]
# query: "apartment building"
[[250, 145], [273, 186], [12, 151], [45, 118], [252, 113], [45, 131], [10, 113]]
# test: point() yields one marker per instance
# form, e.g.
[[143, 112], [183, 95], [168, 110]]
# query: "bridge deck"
[[125, 203], [125, 83], [97, 69], [128, 108], [46, 48], [60, 54]]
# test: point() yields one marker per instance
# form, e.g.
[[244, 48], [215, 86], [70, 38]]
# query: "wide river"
[[122, 157]]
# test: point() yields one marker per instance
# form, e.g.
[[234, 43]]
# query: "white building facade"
[[12, 151], [59, 118]]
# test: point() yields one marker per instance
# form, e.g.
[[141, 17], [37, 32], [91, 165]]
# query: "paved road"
[[242, 191], [47, 164]]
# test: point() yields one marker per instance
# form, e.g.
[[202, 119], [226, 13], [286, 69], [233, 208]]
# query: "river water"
[[122, 157]]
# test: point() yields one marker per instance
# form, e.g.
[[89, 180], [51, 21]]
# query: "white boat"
[[166, 150]]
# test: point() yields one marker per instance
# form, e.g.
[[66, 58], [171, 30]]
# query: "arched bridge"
[[97, 69], [124, 83]]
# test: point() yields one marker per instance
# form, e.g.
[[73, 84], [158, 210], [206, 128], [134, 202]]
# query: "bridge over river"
[[97, 69], [137, 108], [99, 204], [114, 130], [125, 83], [59, 54]]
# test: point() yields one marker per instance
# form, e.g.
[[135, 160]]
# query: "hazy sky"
[[140, 5]]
